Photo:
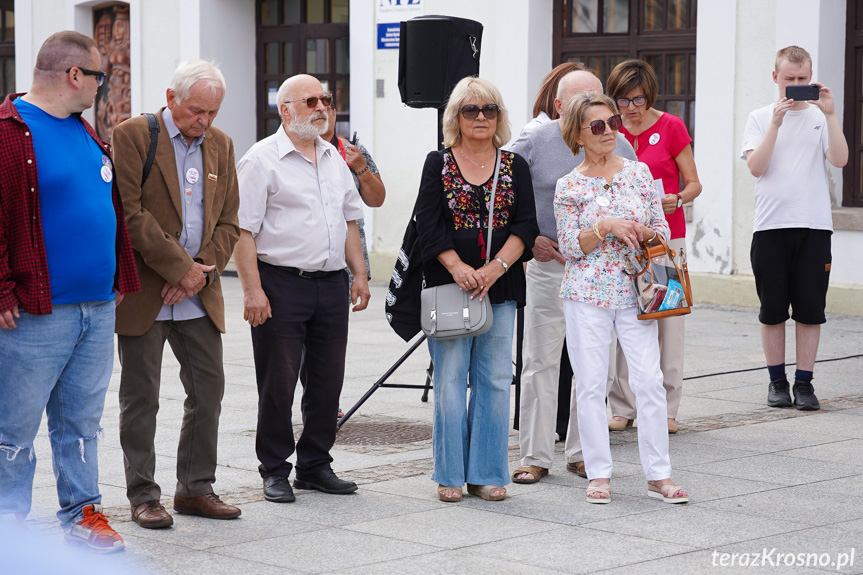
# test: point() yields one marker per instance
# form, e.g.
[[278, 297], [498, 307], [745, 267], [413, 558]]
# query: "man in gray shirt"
[[544, 328]]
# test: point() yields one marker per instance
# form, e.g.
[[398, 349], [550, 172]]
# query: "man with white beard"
[[298, 212]]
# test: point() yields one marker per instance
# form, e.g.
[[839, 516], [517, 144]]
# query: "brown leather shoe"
[[577, 467], [208, 505], [151, 515]]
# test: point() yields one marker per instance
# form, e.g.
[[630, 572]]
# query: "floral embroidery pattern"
[[598, 278], [463, 200]]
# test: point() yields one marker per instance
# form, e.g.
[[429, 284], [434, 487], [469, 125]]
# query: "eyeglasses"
[[313, 101], [639, 101], [471, 111], [597, 127], [100, 75]]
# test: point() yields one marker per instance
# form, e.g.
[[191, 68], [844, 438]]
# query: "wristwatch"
[[503, 263], [679, 200]]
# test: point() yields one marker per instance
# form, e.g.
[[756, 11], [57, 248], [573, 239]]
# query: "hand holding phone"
[[354, 140], [802, 93]]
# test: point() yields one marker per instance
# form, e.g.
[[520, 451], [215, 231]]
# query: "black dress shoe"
[[804, 397], [778, 394], [277, 488], [324, 480]]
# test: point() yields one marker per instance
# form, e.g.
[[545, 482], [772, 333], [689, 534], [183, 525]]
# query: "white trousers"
[[671, 341], [588, 337], [544, 332]]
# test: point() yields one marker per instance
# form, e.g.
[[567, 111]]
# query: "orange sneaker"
[[94, 533]]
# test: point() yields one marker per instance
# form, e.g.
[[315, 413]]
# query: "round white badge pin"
[[106, 174], [192, 175], [654, 138], [603, 202]]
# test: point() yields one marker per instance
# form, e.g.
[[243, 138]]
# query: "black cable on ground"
[[765, 367]]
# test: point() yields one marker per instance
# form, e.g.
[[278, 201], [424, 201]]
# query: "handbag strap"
[[491, 207]]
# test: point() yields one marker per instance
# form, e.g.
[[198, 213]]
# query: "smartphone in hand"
[[802, 93], [354, 140]]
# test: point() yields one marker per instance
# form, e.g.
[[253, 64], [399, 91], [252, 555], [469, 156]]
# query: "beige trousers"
[[671, 340]]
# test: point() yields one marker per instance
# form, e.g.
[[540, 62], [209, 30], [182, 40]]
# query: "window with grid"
[[7, 47], [852, 177], [603, 33], [302, 37]]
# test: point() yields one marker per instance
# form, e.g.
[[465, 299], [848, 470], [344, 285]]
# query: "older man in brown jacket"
[[183, 224]]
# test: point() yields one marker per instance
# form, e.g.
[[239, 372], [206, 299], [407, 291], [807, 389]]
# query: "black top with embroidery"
[[450, 215]]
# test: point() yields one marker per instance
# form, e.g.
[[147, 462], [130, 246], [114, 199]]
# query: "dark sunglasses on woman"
[[597, 127], [471, 111]]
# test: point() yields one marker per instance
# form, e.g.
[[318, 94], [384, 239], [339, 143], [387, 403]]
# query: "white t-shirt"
[[793, 192]]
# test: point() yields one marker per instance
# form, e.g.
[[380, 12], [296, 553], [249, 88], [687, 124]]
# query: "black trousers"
[[310, 313]]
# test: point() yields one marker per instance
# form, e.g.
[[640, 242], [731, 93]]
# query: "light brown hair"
[[548, 90], [794, 54], [632, 75], [485, 92], [573, 120]]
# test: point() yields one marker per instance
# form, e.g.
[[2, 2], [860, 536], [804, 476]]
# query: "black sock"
[[777, 372], [803, 376]]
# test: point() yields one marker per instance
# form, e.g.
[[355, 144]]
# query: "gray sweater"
[[550, 159]]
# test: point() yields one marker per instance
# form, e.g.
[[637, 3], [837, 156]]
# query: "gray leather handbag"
[[447, 312]]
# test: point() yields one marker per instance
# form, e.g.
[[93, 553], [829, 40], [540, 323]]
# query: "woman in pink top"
[[662, 142]]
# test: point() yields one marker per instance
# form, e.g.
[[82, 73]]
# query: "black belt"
[[311, 275]]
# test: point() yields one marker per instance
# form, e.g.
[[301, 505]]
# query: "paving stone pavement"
[[782, 484]]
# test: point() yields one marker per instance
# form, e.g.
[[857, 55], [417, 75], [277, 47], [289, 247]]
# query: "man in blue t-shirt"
[[65, 260]]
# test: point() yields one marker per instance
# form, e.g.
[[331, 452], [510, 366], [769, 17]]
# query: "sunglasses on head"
[[100, 75], [597, 127], [471, 111], [313, 101]]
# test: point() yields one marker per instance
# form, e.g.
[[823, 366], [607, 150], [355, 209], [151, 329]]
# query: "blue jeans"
[[60, 363], [470, 437]]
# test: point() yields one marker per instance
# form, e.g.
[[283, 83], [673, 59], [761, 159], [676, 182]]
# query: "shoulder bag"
[[447, 312]]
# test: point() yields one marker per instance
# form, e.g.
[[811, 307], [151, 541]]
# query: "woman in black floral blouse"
[[470, 435]]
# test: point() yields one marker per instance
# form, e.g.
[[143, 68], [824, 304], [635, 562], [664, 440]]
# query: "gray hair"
[[483, 91], [188, 73]]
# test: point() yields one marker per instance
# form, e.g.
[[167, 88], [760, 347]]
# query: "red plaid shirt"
[[23, 264]]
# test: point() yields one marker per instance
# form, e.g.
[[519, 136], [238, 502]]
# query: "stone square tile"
[[844, 451], [794, 503], [700, 486], [769, 437], [698, 562], [451, 526], [324, 550], [578, 549], [449, 562], [694, 526], [779, 469], [205, 563]]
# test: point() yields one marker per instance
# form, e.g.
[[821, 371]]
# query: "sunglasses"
[[471, 111], [99, 74], [313, 101], [597, 127], [639, 101]]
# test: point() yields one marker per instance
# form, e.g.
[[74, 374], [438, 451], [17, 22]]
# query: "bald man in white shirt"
[[298, 212]]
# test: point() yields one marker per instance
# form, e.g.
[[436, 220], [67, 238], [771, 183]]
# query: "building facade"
[[713, 59]]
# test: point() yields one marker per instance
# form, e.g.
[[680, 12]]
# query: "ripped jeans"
[[61, 364]]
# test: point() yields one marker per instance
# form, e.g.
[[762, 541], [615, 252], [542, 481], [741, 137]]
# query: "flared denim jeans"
[[470, 436]]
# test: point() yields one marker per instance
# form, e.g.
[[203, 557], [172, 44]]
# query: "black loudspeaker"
[[435, 52]]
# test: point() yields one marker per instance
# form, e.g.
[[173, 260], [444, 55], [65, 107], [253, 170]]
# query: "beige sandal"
[[601, 488], [536, 473], [619, 423], [484, 491], [448, 498], [667, 492]]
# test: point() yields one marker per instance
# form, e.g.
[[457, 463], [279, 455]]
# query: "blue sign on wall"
[[388, 36]]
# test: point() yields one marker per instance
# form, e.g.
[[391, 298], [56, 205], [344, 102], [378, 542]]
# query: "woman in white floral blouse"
[[604, 208]]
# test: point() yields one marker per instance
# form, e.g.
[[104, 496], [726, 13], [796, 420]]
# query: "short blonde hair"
[[794, 54], [573, 119], [483, 91]]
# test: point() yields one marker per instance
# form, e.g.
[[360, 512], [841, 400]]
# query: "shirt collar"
[[173, 130], [286, 146]]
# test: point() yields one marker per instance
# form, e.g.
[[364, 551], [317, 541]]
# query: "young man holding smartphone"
[[785, 147]]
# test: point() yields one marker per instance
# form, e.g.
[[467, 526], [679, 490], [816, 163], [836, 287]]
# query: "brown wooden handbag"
[[660, 287]]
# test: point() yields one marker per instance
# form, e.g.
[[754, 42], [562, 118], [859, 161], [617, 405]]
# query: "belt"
[[311, 275]]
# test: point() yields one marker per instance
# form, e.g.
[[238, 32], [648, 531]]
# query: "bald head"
[[574, 83], [296, 87]]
